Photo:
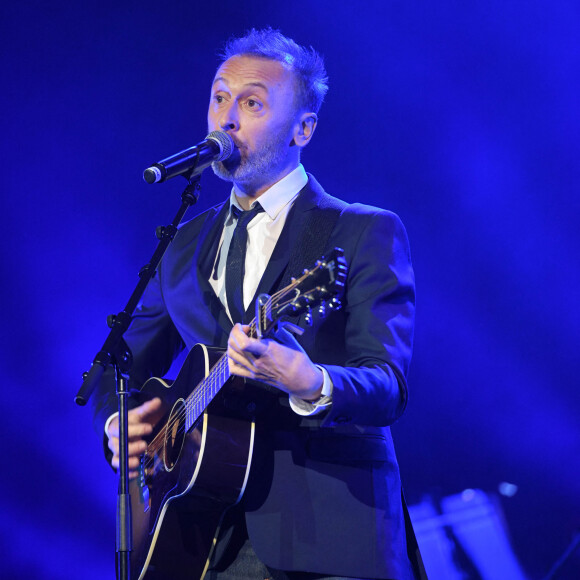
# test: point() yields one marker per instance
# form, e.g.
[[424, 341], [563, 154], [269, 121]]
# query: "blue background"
[[461, 117]]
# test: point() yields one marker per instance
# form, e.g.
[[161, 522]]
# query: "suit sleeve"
[[379, 306], [154, 343]]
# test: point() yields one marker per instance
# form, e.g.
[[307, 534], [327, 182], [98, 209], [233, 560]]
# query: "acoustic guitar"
[[198, 461]]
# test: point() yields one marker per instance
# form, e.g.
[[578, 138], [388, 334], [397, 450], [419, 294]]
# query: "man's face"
[[252, 99]]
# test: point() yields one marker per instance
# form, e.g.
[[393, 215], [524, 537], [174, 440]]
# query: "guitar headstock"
[[319, 287]]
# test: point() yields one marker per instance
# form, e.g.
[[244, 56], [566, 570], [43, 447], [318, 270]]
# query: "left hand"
[[266, 360]]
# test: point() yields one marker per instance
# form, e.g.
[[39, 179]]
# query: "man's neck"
[[247, 193]]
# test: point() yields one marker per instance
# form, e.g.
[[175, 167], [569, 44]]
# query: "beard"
[[256, 168]]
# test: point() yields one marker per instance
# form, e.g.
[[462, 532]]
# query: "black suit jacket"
[[324, 493]]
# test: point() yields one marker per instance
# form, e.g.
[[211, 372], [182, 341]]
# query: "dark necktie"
[[237, 260]]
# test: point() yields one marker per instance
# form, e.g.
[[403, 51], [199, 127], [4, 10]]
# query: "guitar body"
[[189, 478]]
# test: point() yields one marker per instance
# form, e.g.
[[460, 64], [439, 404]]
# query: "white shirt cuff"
[[306, 408], [109, 422]]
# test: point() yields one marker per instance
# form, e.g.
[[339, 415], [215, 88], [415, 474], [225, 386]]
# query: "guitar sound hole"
[[174, 435]]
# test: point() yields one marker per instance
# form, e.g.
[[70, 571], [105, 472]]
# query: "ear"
[[304, 129]]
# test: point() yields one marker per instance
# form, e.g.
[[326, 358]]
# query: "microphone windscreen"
[[225, 143]]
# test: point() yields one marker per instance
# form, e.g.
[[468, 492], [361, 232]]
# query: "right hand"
[[141, 423]]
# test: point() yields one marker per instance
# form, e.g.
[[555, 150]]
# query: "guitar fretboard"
[[206, 391]]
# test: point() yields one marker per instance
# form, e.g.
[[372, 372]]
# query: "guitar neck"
[[206, 391]]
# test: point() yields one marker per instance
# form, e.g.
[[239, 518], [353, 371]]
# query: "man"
[[324, 497]]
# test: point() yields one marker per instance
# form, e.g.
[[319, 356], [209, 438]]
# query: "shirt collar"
[[274, 199]]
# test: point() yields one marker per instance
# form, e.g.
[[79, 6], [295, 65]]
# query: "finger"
[[241, 358], [237, 338], [139, 430], [240, 341], [241, 330], [134, 449], [133, 465], [256, 347], [240, 369], [133, 462], [140, 419], [134, 430], [146, 410], [250, 348]]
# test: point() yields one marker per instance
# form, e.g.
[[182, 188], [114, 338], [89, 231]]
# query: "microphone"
[[217, 146]]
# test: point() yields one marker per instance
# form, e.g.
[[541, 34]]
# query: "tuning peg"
[[308, 317], [322, 309], [335, 304]]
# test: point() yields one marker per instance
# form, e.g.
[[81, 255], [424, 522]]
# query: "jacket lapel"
[[292, 232], [204, 260]]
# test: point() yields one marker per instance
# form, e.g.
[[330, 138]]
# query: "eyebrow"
[[251, 84]]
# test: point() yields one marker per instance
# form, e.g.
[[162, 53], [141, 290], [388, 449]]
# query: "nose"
[[228, 120]]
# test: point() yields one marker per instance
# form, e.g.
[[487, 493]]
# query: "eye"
[[220, 99], [253, 104]]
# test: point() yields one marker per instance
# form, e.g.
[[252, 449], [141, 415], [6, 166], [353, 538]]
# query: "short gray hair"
[[306, 64]]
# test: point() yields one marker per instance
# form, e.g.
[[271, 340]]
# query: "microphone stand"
[[117, 354]]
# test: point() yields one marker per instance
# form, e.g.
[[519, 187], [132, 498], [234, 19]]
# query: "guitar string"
[[208, 383]]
